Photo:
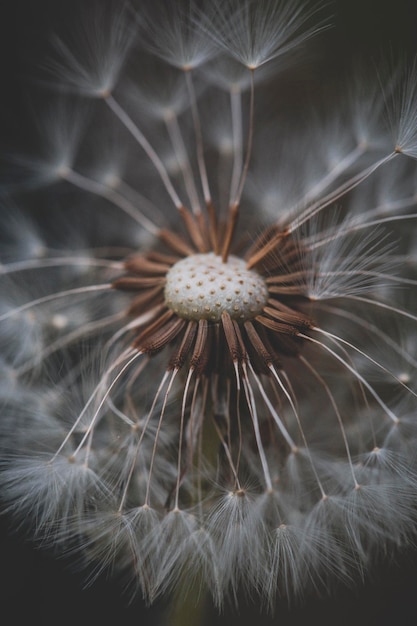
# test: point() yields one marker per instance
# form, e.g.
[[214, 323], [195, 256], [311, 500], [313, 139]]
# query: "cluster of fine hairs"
[[208, 314]]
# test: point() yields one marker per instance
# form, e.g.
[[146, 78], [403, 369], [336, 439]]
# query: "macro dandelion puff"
[[208, 313]]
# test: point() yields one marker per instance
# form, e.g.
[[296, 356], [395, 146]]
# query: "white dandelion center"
[[202, 286]]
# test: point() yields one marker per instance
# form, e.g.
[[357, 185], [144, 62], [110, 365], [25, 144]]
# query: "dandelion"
[[208, 338]]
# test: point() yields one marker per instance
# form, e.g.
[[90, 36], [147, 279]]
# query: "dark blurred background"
[[36, 588]]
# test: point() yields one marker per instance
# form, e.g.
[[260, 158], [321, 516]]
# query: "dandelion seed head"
[[207, 320]]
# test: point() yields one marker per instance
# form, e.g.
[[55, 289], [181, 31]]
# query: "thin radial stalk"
[[290, 387], [103, 401], [198, 137], [393, 277], [286, 392], [129, 387], [227, 416], [133, 378], [139, 443], [158, 430], [238, 195], [125, 418], [63, 261], [337, 412], [238, 390], [139, 200], [92, 327], [181, 437], [373, 329], [300, 427], [284, 432], [362, 274], [250, 399], [193, 429], [139, 321], [382, 305], [338, 193], [87, 450], [236, 111], [239, 428], [337, 340], [393, 206], [55, 296], [194, 424], [180, 151], [126, 355], [228, 453], [110, 194], [360, 385], [146, 146], [235, 204], [330, 177], [356, 374], [83, 364], [357, 227], [200, 455]]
